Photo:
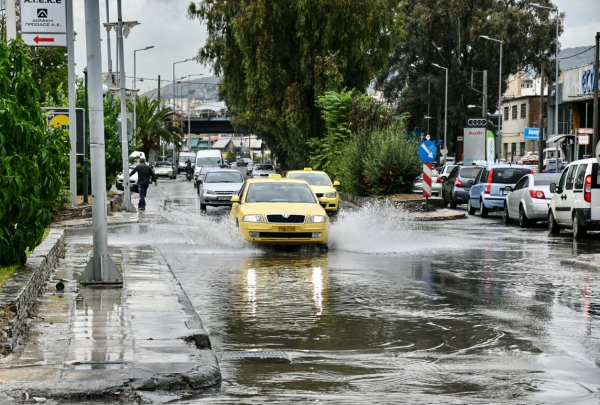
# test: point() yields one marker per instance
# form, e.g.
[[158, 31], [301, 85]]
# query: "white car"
[[164, 169], [576, 200], [436, 188], [132, 181], [530, 199]]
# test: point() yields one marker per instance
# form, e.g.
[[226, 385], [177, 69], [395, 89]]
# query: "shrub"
[[31, 158]]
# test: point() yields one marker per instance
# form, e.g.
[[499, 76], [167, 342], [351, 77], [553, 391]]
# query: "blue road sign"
[[439, 142], [427, 151]]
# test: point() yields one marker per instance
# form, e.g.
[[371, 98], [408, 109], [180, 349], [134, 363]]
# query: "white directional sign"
[[45, 39], [44, 22]]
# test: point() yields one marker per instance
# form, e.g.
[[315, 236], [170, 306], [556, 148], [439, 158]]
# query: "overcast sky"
[[164, 24]]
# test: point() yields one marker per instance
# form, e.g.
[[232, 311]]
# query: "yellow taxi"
[[321, 185], [279, 211]]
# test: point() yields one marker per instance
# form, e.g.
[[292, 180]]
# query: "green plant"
[[116, 207], [31, 158]]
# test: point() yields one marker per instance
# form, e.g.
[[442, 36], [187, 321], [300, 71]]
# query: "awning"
[[194, 142], [221, 144], [560, 137]]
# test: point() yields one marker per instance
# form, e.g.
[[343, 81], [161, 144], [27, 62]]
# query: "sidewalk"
[[113, 218], [444, 214], [110, 342]]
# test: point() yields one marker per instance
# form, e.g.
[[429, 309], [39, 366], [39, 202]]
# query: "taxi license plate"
[[287, 229], [223, 198]]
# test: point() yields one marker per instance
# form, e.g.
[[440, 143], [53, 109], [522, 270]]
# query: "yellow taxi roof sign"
[[308, 169], [274, 176]]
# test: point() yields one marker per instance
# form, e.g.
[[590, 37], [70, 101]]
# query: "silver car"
[[529, 200], [219, 186], [262, 170], [164, 169]]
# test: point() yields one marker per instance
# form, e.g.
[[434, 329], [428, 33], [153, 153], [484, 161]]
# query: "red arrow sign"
[[37, 39]]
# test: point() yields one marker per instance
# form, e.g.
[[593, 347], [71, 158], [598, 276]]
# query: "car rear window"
[[469, 172], [508, 175], [545, 180]]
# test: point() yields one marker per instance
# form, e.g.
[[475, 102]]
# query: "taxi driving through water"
[[322, 186], [280, 211]]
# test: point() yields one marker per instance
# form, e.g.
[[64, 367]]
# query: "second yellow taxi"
[[321, 185], [280, 212]]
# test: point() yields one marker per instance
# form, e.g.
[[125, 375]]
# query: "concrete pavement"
[[111, 342]]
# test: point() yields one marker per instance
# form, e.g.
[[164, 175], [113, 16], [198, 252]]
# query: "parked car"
[[529, 200], [488, 193], [444, 172], [164, 169], [219, 186], [455, 190], [262, 170], [249, 168], [436, 188], [207, 113], [576, 200]]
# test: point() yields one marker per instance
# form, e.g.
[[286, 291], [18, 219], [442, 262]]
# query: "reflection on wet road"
[[464, 311]]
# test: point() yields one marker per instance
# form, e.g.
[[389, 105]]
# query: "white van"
[[576, 200], [549, 160], [208, 157], [184, 157]]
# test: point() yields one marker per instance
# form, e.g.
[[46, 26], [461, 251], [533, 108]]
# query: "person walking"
[[145, 175]]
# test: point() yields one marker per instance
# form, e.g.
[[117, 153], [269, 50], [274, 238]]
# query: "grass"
[[7, 271]]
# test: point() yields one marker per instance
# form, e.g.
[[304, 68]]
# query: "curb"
[[580, 264], [20, 293], [441, 218]]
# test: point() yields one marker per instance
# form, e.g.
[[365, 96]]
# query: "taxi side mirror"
[[336, 183], [235, 198]]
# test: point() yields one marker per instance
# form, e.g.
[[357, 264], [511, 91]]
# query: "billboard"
[[59, 118], [474, 139]]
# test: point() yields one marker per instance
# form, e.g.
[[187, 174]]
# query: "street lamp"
[[556, 81], [499, 96], [446, 109], [175, 84], [134, 85]]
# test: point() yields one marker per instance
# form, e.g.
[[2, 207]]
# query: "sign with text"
[[531, 134], [583, 139], [490, 149], [59, 118], [43, 22], [474, 144]]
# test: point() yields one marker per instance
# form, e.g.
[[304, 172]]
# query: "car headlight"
[[209, 192], [317, 218], [252, 218], [331, 194]]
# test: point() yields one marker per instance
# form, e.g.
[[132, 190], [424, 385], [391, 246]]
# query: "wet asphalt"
[[466, 311]]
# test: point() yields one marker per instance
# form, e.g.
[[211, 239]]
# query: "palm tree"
[[155, 124]]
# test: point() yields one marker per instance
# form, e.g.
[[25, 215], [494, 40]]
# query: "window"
[[482, 176], [223, 177], [523, 110], [314, 179], [469, 172], [513, 149], [279, 192], [545, 110], [521, 184], [563, 178], [522, 148], [505, 151], [505, 113], [580, 177], [509, 175], [453, 173], [571, 177], [514, 112]]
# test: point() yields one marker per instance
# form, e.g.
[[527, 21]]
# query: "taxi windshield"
[[279, 192], [314, 179]]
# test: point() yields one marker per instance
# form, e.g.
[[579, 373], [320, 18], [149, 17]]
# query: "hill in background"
[[202, 89]]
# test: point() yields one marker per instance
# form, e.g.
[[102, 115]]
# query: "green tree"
[[49, 69], [154, 124], [277, 56], [32, 159], [447, 32]]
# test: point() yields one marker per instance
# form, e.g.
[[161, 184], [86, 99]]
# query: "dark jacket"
[[145, 173]]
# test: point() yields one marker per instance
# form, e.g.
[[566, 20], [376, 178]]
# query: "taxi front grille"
[[280, 219], [285, 235], [320, 195]]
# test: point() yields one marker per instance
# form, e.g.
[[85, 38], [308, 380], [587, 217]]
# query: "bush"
[[32, 159]]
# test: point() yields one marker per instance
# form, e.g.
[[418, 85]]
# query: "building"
[[519, 113]]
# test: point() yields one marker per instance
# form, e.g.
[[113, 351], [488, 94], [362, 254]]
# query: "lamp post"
[[175, 83], [134, 85], [556, 81], [445, 109], [499, 96]]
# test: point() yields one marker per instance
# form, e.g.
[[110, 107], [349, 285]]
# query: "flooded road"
[[466, 311]]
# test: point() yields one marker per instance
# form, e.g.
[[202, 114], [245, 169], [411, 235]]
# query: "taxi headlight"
[[317, 218], [209, 192], [252, 218], [331, 194]]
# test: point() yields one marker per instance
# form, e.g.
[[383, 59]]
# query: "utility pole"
[[11, 19], [72, 106], [100, 269], [596, 84], [110, 73], [127, 204], [485, 93], [159, 100], [85, 135], [541, 126]]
